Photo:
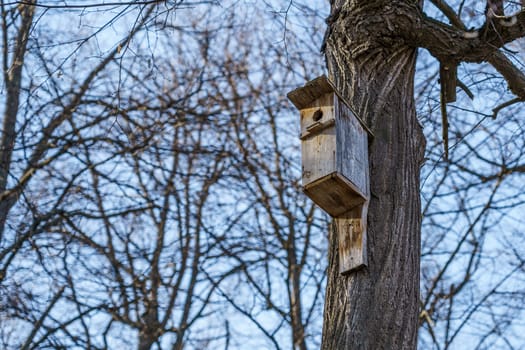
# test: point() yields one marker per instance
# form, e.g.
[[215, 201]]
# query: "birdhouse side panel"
[[352, 148]]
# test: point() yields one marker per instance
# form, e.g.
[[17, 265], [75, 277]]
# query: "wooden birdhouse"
[[335, 175]]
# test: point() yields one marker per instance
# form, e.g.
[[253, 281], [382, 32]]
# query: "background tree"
[[152, 183], [472, 266], [151, 196]]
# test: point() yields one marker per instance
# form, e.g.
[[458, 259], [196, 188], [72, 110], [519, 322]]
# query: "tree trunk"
[[294, 294], [12, 74], [146, 341], [377, 307]]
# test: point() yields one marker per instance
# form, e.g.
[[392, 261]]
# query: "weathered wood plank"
[[310, 116], [351, 235], [351, 148], [334, 194], [302, 97], [318, 154]]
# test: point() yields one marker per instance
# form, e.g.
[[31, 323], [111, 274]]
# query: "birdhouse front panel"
[[318, 139]]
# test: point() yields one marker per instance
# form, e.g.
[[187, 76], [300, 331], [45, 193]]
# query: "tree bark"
[[377, 307]]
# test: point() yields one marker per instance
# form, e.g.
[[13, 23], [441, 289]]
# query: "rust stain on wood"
[[352, 241]]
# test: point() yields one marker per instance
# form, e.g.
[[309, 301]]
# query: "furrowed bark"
[[370, 50], [377, 308]]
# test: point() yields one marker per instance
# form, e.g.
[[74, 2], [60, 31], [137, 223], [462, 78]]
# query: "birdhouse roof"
[[302, 97]]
